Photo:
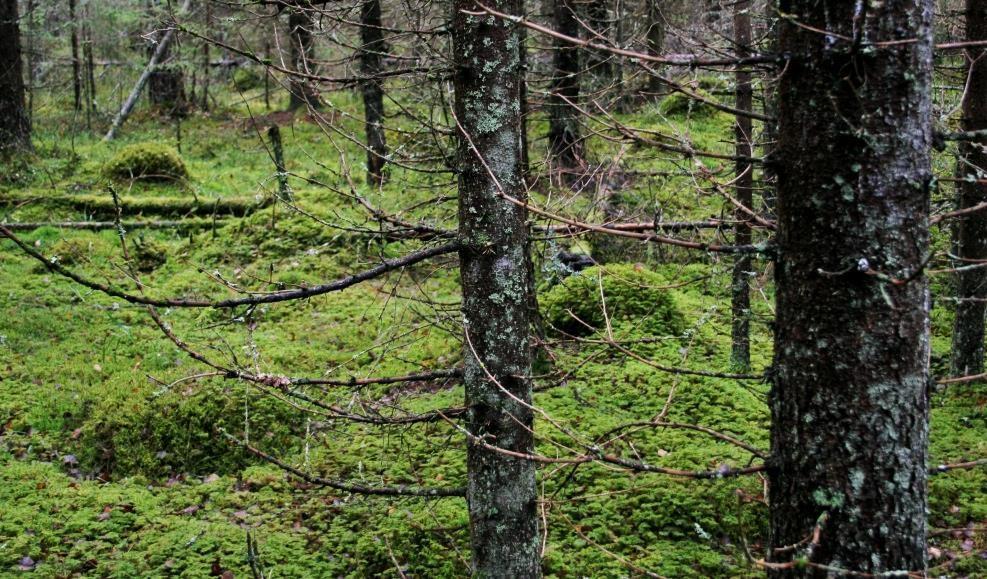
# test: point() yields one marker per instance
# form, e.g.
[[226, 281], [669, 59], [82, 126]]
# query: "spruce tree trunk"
[[851, 371], [740, 354], [372, 37], [656, 42], [76, 62], [971, 230], [565, 145], [501, 491], [15, 123], [303, 93]]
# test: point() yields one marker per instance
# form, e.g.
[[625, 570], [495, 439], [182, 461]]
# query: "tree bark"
[[740, 354], [849, 403], [204, 96], [76, 63], [372, 37], [303, 93], [166, 84], [971, 230], [656, 42], [501, 491], [565, 144], [15, 123]]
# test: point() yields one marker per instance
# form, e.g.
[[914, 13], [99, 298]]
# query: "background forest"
[[282, 282]]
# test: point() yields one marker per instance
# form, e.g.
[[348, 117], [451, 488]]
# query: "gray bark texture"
[[371, 54], [565, 144], [971, 230], [501, 491], [740, 354], [15, 123], [849, 402], [303, 92]]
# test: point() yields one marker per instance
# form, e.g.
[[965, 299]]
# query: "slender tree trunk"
[[76, 63], [15, 123], [769, 134], [372, 37], [501, 491], [303, 93], [87, 49], [971, 230], [564, 142], [656, 42], [849, 402], [525, 107], [598, 63], [32, 53], [206, 68], [744, 190]]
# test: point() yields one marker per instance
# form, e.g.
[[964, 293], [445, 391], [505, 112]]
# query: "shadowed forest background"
[[434, 288]]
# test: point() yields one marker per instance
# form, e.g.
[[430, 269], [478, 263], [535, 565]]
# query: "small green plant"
[[147, 162], [627, 293]]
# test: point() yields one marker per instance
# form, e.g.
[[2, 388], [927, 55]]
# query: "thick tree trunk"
[[303, 93], [501, 490], [851, 371], [564, 142], [15, 123], [740, 354], [656, 42], [372, 37], [76, 62], [971, 230]]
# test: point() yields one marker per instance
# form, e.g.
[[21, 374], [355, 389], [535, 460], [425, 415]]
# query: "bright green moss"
[[629, 293], [147, 162]]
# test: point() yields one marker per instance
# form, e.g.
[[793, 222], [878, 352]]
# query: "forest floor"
[[113, 459]]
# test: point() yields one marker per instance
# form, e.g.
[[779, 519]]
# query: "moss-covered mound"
[[680, 105], [630, 294], [147, 162]]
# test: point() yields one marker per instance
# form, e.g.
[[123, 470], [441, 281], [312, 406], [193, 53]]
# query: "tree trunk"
[[206, 68], [656, 43], [565, 144], [15, 124], [971, 230], [501, 491], [372, 37], [135, 93], [849, 402], [166, 83], [87, 49], [303, 93], [76, 63], [599, 63], [740, 354]]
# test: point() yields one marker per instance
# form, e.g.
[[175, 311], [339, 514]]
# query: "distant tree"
[[371, 54], [971, 230], [744, 189], [303, 92], [851, 369], [15, 124], [564, 140]]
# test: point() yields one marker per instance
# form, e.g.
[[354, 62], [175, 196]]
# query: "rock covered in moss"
[[630, 293], [148, 162]]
